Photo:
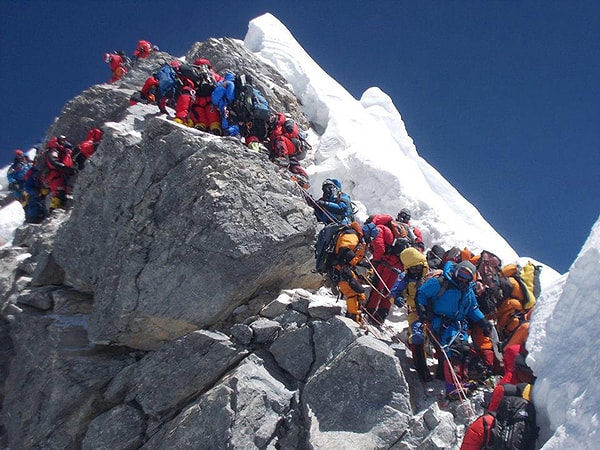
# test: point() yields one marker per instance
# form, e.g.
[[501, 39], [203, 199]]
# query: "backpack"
[[167, 81], [301, 144], [434, 257], [515, 423], [403, 235], [249, 103], [127, 63], [456, 255], [489, 269], [41, 166], [528, 278], [325, 246], [204, 82]]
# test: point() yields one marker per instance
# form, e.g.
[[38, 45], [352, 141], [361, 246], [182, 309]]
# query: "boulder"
[[191, 239]]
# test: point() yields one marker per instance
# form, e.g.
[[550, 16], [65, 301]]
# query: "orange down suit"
[[349, 251]]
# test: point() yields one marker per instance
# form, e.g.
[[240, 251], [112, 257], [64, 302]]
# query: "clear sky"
[[502, 97]]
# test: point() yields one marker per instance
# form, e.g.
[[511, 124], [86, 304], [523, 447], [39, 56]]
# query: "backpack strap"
[[486, 432], [443, 287], [510, 390], [507, 338]]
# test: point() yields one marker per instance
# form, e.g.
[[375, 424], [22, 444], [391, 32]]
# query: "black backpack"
[[250, 103], [204, 82], [514, 425], [325, 246]]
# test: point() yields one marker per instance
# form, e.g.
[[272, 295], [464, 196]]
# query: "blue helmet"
[[370, 231]]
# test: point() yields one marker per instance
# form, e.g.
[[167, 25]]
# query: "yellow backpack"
[[528, 278]]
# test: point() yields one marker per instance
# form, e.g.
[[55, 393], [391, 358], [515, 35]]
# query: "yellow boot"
[[55, 203]]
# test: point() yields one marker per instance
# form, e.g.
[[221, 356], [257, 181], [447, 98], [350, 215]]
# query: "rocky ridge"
[[152, 315]]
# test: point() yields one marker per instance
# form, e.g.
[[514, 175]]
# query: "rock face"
[[176, 231], [151, 314]]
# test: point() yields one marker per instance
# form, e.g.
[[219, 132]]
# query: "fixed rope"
[[462, 393]]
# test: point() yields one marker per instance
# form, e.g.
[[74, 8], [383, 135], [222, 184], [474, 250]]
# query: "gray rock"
[[37, 297], [331, 338], [277, 307], [241, 333], [301, 301], [294, 352], [119, 428], [245, 410], [157, 275], [91, 109], [9, 263], [164, 381], [292, 319], [265, 331], [361, 396], [54, 387], [324, 311]]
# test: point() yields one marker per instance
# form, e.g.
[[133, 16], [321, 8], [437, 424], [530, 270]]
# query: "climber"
[[117, 66], [444, 304], [185, 95], [60, 168], [434, 257], [16, 174], [516, 306], [35, 210], [162, 88], [283, 142], [85, 149], [415, 234], [350, 250], [403, 293], [283, 137], [509, 400], [204, 114], [334, 205], [143, 50], [223, 97], [387, 265]]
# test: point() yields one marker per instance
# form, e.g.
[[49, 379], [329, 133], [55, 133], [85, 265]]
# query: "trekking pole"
[[385, 286], [366, 280], [468, 408]]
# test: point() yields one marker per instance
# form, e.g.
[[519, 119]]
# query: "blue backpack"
[[167, 81]]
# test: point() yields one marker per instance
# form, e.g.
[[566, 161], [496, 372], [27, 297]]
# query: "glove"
[[423, 314], [356, 286], [418, 336], [485, 327], [400, 302], [322, 202]]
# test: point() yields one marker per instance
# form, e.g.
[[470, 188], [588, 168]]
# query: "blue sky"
[[502, 97]]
